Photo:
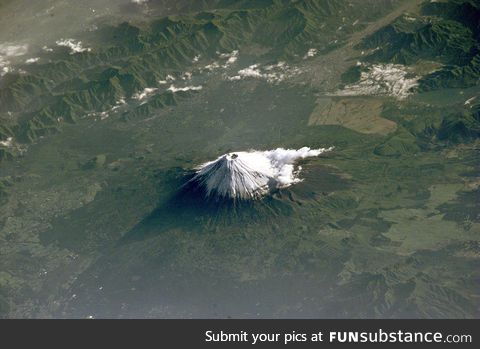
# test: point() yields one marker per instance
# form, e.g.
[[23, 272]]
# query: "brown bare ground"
[[359, 114]]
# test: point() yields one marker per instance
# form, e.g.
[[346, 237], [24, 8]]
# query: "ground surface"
[[98, 137]]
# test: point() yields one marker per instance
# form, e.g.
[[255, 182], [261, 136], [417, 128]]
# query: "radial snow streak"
[[252, 174]]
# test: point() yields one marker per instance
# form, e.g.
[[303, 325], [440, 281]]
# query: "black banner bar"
[[239, 333]]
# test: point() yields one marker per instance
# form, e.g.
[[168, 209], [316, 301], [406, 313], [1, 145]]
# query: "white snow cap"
[[252, 174]]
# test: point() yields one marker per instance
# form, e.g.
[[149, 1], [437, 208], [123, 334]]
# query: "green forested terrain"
[[444, 32], [134, 58], [93, 218]]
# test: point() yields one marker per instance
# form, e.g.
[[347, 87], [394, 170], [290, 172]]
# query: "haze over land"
[[107, 108]]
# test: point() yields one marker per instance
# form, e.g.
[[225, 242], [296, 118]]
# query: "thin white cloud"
[[167, 79], [146, 92], [251, 174], [225, 61], [310, 53], [272, 73], [174, 89], [32, 60], [7, 143], [9, 51], [382, 80], [73, 45]]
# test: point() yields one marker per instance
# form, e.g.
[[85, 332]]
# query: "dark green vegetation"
[[443, 32], [129, 58], [92, 218]]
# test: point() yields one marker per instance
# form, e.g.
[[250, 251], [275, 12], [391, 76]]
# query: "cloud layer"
[[252, 174]]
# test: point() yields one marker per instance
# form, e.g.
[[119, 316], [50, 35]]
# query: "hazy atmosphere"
[[239, 159]]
